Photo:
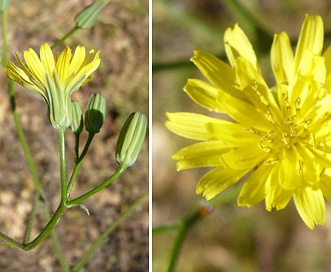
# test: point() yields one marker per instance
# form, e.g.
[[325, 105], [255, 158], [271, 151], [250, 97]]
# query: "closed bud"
[[131, 139], [87, 17], [76, 124], [95, 113]]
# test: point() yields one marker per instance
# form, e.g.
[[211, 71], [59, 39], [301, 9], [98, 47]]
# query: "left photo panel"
[[74, 111]]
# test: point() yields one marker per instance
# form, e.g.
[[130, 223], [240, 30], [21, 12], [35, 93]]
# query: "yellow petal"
[[62, 65], [203, 154], [216, 71], [282, 58], [310, 205], [47, 58], [88, 68], [204, 94], [34, 64], [253, 85], [276, 197], [253, 190], [287, 169], [311, 38], [244, 113], [77, 59], [246, 156], [237, 45], [325, 184], [218, 180], [189, 125], [230, 132]]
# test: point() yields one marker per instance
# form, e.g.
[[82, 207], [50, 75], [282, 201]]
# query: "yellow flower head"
[[280, 135], [55, 77]]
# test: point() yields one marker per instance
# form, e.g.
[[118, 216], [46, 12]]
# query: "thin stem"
[[102, 185], [76, 150], [78, 164], [105, 234], [184, 227], [32, 217], [10, 241], [49, 227], [56, 243], [71, 32], [63, 166]]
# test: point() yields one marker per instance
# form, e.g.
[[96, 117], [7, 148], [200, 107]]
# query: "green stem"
[[105, 234], [79, 163], [63, 166], [32, 217], [56, 243], [71, 32], [49, 227], [184, 227], [10, 241], [102, 185]]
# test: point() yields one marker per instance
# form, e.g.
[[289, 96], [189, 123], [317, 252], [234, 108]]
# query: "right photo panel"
[[241, 101]]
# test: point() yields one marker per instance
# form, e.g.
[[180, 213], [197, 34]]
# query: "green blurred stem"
[[183, 229], [105, 234], [78, 162], [59, 42], [165, 228], [102, 185]]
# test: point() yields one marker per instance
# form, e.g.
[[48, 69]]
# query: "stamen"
[[289, 120], [299, 167], [297, 105], [252, 130], [271, 161], [266, 138], [286, 139], [312, 140], [270, 117]]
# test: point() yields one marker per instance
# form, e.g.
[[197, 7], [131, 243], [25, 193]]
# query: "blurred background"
[[230, 238], [121, 34]]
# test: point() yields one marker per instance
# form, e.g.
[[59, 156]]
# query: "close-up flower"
[[55, 77], [279, 137]]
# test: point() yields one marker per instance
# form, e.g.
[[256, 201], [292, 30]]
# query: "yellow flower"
[[281, 136], [55, 77]]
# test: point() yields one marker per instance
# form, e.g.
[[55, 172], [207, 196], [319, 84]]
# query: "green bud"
[[76, 124], [3, 4], [131, 139], [87, 17], [95, 113]]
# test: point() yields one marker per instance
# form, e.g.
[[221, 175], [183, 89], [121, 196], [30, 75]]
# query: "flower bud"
[[3, 4], [76, 124], [131, 139], [87, 17], [95, 113]]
